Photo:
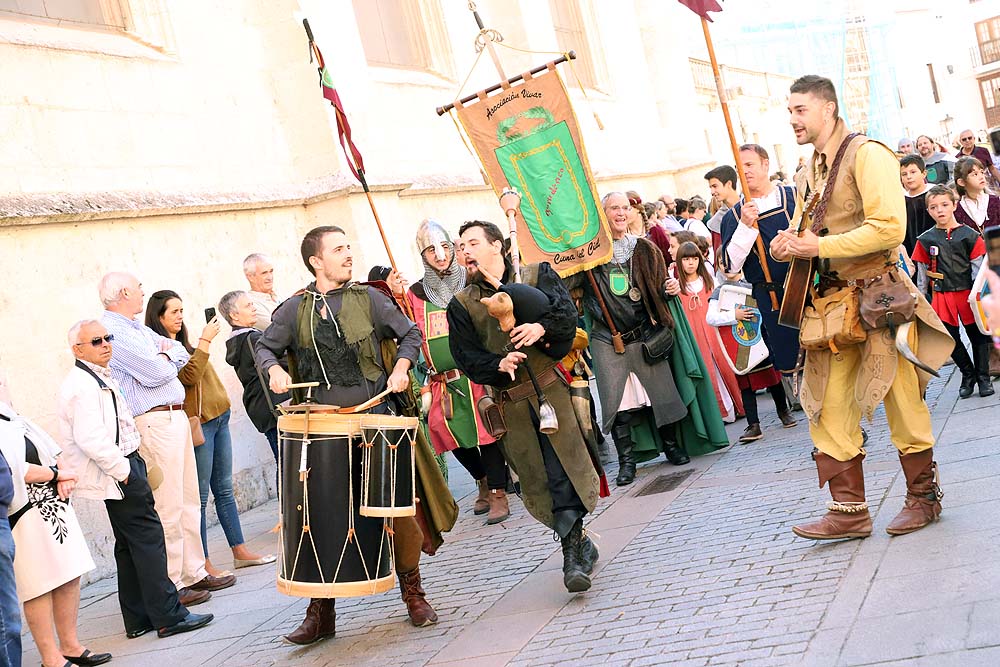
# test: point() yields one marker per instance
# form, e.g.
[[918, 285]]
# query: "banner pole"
[[723, 99]]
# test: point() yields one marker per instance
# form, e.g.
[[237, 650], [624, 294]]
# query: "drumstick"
[[369, 403]]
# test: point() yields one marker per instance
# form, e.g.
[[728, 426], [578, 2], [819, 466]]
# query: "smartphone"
[[209, 314], [992, 238]]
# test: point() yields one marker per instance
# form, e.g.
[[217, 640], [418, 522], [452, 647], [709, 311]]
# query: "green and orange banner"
[[527, 138]]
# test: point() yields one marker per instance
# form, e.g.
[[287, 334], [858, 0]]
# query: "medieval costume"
[[738, 249], [453, 422], [559, 480], [918, 220], [694, 296], [345, 339], [862, 225], [632, 384], [737, 339], [980, 213], [948, 260]]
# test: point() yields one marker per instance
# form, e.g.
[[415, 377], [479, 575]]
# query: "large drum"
[[388, 466], [328, 549]]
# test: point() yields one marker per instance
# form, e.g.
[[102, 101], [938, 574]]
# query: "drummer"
[[344, 325]]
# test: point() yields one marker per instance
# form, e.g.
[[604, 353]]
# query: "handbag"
[[887, 301], [832, 321], [197, 435], [657, 347], [491, 416]]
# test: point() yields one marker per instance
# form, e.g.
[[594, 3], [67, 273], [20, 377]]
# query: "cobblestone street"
[[706, 573]]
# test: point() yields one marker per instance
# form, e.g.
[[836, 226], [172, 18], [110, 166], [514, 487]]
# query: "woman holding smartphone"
[[206, 399]]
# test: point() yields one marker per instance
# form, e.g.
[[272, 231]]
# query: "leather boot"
[[674, 452], [848, 512], [421, 613], [482, 504], [923, 495], [499, 507], [320, 622], [622, 435], [578, 559], [981, 353], [968, 385]]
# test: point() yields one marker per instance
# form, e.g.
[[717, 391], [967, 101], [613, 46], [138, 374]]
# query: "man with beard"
[[333, 331], [559, 482], [453, 422], [770, 210], [860, 225]]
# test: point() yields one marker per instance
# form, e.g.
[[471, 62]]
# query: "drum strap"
[[263, 385]]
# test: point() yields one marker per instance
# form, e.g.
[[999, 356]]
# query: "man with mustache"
[[335, 314], [559, 482], [855, 247]]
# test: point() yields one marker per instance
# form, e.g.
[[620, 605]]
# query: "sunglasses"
[[966, 138], [96, 342]]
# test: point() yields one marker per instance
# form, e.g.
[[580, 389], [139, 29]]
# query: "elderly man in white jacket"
[[100, 441]]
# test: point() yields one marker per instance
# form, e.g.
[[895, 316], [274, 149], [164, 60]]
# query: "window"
[[988, 36], [571, 35], [107, 13], [392, 33], [990, 90]]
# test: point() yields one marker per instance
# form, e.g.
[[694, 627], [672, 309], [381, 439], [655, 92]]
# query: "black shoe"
[[787, 420], [576, 577], [190, 622], [968, 385], [89, 659], [985, 386], [675, 453], [134, 634], [622, 435], [751, 433]]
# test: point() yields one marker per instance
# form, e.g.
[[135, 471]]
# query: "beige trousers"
[[166, 447]]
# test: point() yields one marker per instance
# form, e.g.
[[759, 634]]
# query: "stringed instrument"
[[800, 277]]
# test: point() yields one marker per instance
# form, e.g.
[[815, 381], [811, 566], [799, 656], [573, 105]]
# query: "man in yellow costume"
[[860, 222]]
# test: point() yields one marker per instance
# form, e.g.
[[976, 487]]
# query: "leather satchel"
[[832, 321], [197, 435], [657, 347], [491, 416], [887, 301]]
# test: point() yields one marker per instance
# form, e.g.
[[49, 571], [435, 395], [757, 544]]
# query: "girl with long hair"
[[977, 207], [695, 277]]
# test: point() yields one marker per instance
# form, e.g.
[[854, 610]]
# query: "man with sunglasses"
[[145, 366], [100, 440], [968, 147]]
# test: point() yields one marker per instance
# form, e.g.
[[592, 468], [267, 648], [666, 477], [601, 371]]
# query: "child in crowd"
[[739, 329], [977, 208], [696, 282], [913, 176], [947, 259]]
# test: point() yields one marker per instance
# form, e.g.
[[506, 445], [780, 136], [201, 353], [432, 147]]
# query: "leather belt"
[[860, 283], [447, 376], [527, 390], [634, 335], [165, 408]]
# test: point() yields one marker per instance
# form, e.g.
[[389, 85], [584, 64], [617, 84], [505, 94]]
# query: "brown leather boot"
[[320, 622], [923, 495], [421, 613], [482, 504], [848, 512], [499, 507]]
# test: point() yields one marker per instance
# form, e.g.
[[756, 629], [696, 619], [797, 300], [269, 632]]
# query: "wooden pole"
[[723, 99]]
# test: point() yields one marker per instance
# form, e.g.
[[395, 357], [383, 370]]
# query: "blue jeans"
[[215, 472], [10, 612]]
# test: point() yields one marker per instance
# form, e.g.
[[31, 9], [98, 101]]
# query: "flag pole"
[[723, 99], [357, 166]]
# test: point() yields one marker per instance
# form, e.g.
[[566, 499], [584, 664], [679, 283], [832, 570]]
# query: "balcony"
[[989, 51]]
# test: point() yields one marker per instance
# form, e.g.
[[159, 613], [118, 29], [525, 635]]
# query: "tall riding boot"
[[673, 451], [621, 432], [848, 512], [981, 354], [579, 556], [923, 495], [482, 504], [320, 622], [421, 613], [965, 366]]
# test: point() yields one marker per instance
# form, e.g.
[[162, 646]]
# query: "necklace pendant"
[[618, 282], [635, 294]]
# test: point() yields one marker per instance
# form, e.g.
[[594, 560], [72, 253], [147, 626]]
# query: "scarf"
[[623, 248], [441, 287]]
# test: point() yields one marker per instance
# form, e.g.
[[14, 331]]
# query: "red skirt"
[[953, 307], [757, 380]]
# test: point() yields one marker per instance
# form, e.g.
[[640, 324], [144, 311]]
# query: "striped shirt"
[[128, 432], [146, 377]]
